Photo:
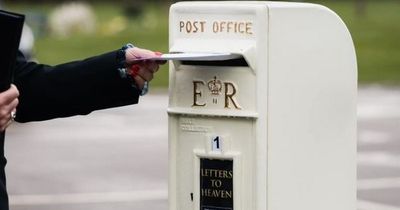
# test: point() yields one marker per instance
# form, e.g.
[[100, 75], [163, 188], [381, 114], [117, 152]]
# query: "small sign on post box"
[[270, 126], [216, 184]]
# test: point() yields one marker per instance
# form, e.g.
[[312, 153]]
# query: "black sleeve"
[[75, 88]]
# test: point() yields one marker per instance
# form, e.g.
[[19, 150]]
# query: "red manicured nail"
[[135, 69]]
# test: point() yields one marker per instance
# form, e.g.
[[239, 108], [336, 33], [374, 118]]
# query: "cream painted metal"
[[287, 120]]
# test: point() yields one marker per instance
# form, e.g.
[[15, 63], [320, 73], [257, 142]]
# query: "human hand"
[[8, 104], [141, 69]]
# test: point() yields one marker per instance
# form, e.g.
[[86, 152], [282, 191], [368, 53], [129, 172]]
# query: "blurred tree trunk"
[[361, 7]]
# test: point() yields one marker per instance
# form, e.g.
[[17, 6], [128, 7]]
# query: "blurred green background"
[[374, 25]]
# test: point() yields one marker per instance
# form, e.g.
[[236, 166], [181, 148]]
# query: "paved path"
[[379, 148], [117, 159]]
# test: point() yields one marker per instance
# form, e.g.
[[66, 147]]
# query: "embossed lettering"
[[192, 26], [197, 93], [242, 27], [249, 26], [230, 91], [181, 25]]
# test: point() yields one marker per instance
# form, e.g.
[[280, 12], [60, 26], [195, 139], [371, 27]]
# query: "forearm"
[[74, 88]]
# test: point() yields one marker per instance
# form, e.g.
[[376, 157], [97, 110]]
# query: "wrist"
[[121, 60], [129, 72], [122, 66]]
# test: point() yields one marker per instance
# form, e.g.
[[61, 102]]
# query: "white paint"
[[296, 129]]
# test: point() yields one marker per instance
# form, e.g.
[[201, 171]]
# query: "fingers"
[[6, 120], [9, 95], [139, 81], [141, 68], [8, 103], [144, 71], [161, 62], [151, 66], [132, 55]]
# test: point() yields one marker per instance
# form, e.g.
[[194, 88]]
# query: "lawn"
[[137, 30], [376, 36]]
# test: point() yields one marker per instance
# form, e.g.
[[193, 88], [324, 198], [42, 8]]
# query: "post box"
[[275, 128]]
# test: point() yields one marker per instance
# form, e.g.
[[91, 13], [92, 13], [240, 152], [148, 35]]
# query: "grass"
[[52, 50], [376, 36]]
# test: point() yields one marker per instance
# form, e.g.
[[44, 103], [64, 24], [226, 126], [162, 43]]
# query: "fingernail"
[[158, 53], [135, 69]]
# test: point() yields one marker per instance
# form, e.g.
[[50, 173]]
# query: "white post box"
[[272, 130]]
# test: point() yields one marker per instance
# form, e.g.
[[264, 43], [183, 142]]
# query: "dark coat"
[[76, 88]]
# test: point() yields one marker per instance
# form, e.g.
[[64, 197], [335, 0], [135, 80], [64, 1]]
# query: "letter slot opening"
[[208, 59], [230, 62]]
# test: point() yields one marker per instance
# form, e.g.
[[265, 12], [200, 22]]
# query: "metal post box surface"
[[273, 130]]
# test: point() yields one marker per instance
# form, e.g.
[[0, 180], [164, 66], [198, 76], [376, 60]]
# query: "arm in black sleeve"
[[75, 88]]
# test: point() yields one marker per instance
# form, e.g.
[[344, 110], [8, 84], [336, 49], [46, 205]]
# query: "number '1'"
[[216, 140]]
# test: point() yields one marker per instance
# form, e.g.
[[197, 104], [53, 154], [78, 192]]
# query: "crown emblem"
[[215, 86]]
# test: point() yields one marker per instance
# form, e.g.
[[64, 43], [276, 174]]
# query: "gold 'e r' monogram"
[[215, 87]]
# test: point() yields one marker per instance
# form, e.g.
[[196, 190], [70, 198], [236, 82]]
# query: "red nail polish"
[[135, 69]]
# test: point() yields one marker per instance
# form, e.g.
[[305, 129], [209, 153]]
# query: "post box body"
[[274, 131]]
